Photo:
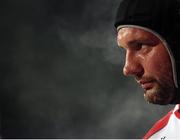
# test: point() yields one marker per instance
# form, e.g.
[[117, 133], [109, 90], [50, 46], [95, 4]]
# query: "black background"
[[61, 73]]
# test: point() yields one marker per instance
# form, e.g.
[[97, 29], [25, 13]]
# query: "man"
[[149, 31]]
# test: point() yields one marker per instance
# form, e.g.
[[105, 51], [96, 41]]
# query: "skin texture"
[[148, 61]]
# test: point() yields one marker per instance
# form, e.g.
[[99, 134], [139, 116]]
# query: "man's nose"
[[133, 67]]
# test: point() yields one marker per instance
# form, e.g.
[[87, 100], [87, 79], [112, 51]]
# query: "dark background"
[[61, 73]]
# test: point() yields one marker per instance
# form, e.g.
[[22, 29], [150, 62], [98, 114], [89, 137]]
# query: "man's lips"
[[146, 85]]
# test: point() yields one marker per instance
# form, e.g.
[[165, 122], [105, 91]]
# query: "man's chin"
[[155, 96]]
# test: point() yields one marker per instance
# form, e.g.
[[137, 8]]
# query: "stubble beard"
[[161, 94]]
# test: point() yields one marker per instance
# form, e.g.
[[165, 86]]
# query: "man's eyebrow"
[[134, 42], [142, 41], [129, 43]]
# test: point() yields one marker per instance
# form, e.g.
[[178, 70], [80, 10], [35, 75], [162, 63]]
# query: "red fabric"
[[159, 125]]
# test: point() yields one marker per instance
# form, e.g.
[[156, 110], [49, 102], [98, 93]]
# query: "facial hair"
[[162, 93]]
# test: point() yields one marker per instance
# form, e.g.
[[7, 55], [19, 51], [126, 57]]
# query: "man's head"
[[148, 61], [149, 32]]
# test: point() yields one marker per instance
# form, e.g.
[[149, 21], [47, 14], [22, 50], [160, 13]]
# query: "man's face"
[[148, 61]]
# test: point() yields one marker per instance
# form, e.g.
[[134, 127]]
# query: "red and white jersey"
[[166, 128]]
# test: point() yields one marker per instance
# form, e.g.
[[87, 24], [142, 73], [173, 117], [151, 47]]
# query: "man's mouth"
[[146, 85]]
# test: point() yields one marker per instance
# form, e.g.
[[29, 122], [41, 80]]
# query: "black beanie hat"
[[160, 16]]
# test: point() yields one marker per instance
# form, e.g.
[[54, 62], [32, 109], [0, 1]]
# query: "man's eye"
[[138, 46]]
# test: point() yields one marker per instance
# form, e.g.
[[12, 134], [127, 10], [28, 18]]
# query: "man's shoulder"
[[159, 125]]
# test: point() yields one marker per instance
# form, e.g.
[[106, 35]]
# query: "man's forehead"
[[134, 34]]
